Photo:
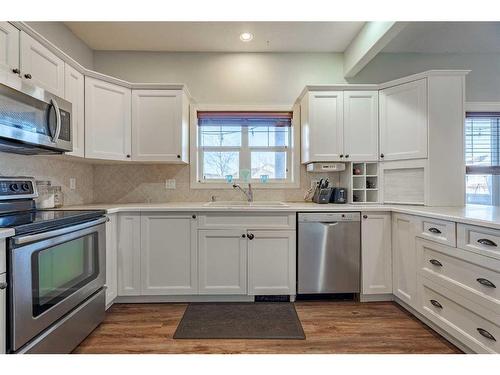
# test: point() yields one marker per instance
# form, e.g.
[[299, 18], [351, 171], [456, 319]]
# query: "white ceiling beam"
[[371, 39]]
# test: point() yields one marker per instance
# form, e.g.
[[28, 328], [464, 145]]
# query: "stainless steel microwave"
[[32, 120]]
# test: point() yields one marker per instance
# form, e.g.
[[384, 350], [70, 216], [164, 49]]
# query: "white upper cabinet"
[[168, 254], [271, 262], [74, 85], [322, 116], [9, 47], [376, 253], [403, 121], [107, 120], [160, 125], [41, 67], [361, 125]]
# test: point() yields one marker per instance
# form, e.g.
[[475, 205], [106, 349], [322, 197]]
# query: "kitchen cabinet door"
[[271, 262], [111, 259], [168, 254], [403, 121], [74, 85], [322, 116], [107, 120], [160, 126], [222, 262], [376, 253], [3, 307], [404, 267], [129, 255], [41, 67], [361, 125], [9, 47]]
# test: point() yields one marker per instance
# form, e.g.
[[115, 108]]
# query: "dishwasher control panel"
[[329, 217]]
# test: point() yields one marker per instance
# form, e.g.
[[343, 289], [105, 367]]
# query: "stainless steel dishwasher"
[[329, 253]]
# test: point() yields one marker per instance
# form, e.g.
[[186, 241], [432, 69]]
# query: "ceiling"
[[447, 37], [217, 36]]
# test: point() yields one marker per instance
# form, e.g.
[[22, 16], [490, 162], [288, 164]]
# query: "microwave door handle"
[[55, 137], [21, 240]]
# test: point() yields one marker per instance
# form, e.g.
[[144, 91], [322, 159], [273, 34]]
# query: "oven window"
[[60, 270]]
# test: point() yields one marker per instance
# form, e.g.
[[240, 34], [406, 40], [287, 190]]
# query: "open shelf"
[[364, 182]]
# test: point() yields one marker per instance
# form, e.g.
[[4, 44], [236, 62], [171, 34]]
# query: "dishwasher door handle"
[[330, 224]]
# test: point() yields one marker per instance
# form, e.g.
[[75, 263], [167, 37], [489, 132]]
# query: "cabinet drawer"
[[224, 220], [473, 276], [441, 231], [472, 325], [479, 240]]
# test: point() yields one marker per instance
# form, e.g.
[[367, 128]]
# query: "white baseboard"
[[376, 297]]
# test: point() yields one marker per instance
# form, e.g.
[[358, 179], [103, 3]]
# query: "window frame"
[[485, 107], [293, 155]]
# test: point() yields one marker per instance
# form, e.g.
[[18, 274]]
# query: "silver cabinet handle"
[[486, 282], [58, 119], [486, 334], [436, 262], [486, 242], [436, 304], [434, 230], [3, 286]]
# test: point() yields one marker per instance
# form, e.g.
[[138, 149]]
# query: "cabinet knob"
[[3, 286], [365, 216], [381, 155], [347, 156], [194, 216], [16, 71], [243, 236], [250, 236], [128, 156], [341, 155], [27, 76], [178, 156]]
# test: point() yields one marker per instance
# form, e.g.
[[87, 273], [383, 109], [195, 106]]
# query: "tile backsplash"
[[57, 169], [134, 183]]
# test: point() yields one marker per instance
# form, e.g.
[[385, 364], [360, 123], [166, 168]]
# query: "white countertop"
[[470, 214], [6, 232]]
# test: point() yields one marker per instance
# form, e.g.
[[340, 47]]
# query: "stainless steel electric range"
[[56, 271]]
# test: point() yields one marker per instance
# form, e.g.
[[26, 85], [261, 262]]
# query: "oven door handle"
[[21, 240]]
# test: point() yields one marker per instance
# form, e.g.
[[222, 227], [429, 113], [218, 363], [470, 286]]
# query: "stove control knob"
[[14, 187], [25, 187]]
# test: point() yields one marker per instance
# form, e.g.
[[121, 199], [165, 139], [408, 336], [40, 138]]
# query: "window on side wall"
[[244, 146], [482, 158]]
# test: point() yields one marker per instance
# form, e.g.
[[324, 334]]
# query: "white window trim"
[[294, 163]]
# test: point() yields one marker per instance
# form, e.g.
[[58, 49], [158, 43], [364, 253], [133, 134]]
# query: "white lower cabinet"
[[129, 255], [404, 268], [222, 261], [376, 253], [3, 305], [111, 259], [271, 262], [168, 254]]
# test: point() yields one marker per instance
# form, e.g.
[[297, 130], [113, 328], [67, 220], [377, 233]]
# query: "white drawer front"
[[458, 317], [479, 240], [441, 231], [227, 220], [473, 276]]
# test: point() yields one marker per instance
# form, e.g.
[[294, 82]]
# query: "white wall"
[[63, 37], [227, 78], [482, 83]]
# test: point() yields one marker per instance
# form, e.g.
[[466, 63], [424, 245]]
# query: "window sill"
[[258, 186]]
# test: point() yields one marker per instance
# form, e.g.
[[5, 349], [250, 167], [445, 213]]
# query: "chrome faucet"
[[248, 193]]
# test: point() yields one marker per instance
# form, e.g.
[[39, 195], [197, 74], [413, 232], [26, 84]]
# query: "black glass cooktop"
[[42, 220]]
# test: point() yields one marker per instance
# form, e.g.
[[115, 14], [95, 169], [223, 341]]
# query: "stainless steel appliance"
[[329, 253], [56, 271], [32, 120], [339, 195]]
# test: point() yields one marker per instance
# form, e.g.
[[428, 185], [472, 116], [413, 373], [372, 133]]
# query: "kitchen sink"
[[272, 204]]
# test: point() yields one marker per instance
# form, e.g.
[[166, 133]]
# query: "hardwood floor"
[[330, 327]]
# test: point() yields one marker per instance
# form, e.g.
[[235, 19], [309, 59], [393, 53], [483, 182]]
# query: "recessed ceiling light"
[[246, 37]]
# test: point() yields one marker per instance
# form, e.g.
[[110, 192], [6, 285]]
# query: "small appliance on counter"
[[339, 195], [322, 193]]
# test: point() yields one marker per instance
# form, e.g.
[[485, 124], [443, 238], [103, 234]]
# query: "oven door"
[[52, 273], [33, 117]]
